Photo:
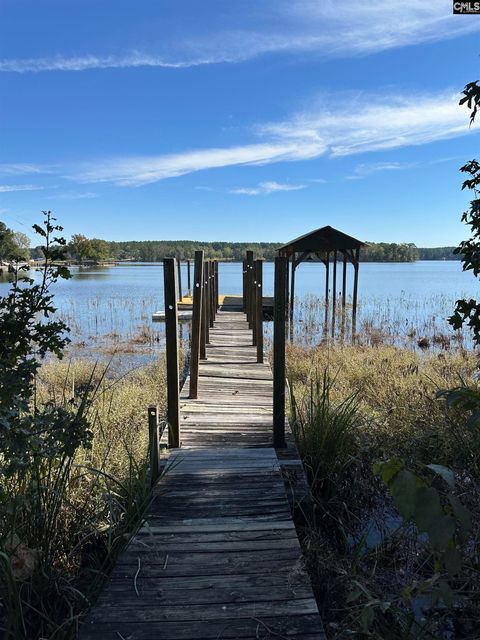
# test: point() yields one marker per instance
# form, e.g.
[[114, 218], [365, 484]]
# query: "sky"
[[245, 120]]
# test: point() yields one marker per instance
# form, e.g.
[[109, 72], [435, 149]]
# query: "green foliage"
[[81, 248], [435, 511], [325, 433], [13, 245]]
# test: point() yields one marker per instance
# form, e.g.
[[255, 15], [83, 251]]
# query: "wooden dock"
[[218, 555]]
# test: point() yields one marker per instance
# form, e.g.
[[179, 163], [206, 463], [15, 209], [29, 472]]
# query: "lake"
[[399, 303]]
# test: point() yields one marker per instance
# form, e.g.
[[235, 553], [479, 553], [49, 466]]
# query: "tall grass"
[[65, 519], [381, 403]]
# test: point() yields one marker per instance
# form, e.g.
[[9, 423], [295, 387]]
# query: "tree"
[[9, 250], [98, 250], [79, 247], [467, 312]]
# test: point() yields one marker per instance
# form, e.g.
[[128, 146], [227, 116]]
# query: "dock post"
[[171, 337], [203, 323], [206, 293], [189, 287], [344, 283], [179, 269], [254, 302], [355, 292], [244, 287], [217, 287], [281, 267], [259, 308], [153, 443], [249, 280], [211, 316], [195, 353]]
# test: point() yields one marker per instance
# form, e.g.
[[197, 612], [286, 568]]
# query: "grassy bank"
[[65, 520], [352, 406]]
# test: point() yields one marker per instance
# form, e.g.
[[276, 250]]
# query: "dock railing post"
[[249, 280], [206, 297], [259, 308], [254, 302], [195, 353], [203, 324], [244, 287], [179, 268], [153, 443], [171, 337], [281, 266], [217, 287], [210, 293]]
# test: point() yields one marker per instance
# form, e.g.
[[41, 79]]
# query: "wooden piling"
[[206, 297], [327, 267], [195, 350], [334, 283], [344, 283], [211, 287], [217, 287], [179, 269], [281, 266], [203, 324], [355, 290], [292, 295], [189, 287], [244, 287], [153, 443], [249, 288], [259, 308], [171, 337]]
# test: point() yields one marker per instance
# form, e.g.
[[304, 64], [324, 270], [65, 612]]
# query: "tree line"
[[15, 246]]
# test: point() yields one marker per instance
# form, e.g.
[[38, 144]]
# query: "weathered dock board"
[[218, 556]]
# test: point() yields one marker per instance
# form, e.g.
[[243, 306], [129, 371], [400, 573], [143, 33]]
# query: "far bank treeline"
[[84, 249], [156, 250]]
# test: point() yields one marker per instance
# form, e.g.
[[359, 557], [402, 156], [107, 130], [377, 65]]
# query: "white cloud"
[[367, 169], [340, 126], [76, 196], [352, 124], [6, 188], [18, 169], [281, 26], [137, 171], [265, 188]]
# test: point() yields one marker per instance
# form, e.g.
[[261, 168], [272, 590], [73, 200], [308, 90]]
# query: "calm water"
[[397, 302]]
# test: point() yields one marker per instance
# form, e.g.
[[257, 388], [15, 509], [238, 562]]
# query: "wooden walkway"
[[218, 556]]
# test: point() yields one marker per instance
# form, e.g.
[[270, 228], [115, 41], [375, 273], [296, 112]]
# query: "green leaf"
[[427, 508], [453, 561], [444, 472], [404, 489], [440, 532], [461, 513], [387, 470]]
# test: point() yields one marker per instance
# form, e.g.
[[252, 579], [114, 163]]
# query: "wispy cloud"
[[144, 170], [265, 188], [19, 169], [83, 195], [373, 123], [367, 169], [6, 188], [282, 26]]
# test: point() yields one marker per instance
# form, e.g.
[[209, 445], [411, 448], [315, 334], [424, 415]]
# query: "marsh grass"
[[352, 405], [64, 521]]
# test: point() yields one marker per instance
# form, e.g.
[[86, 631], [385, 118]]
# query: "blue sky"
[[246, 120]]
